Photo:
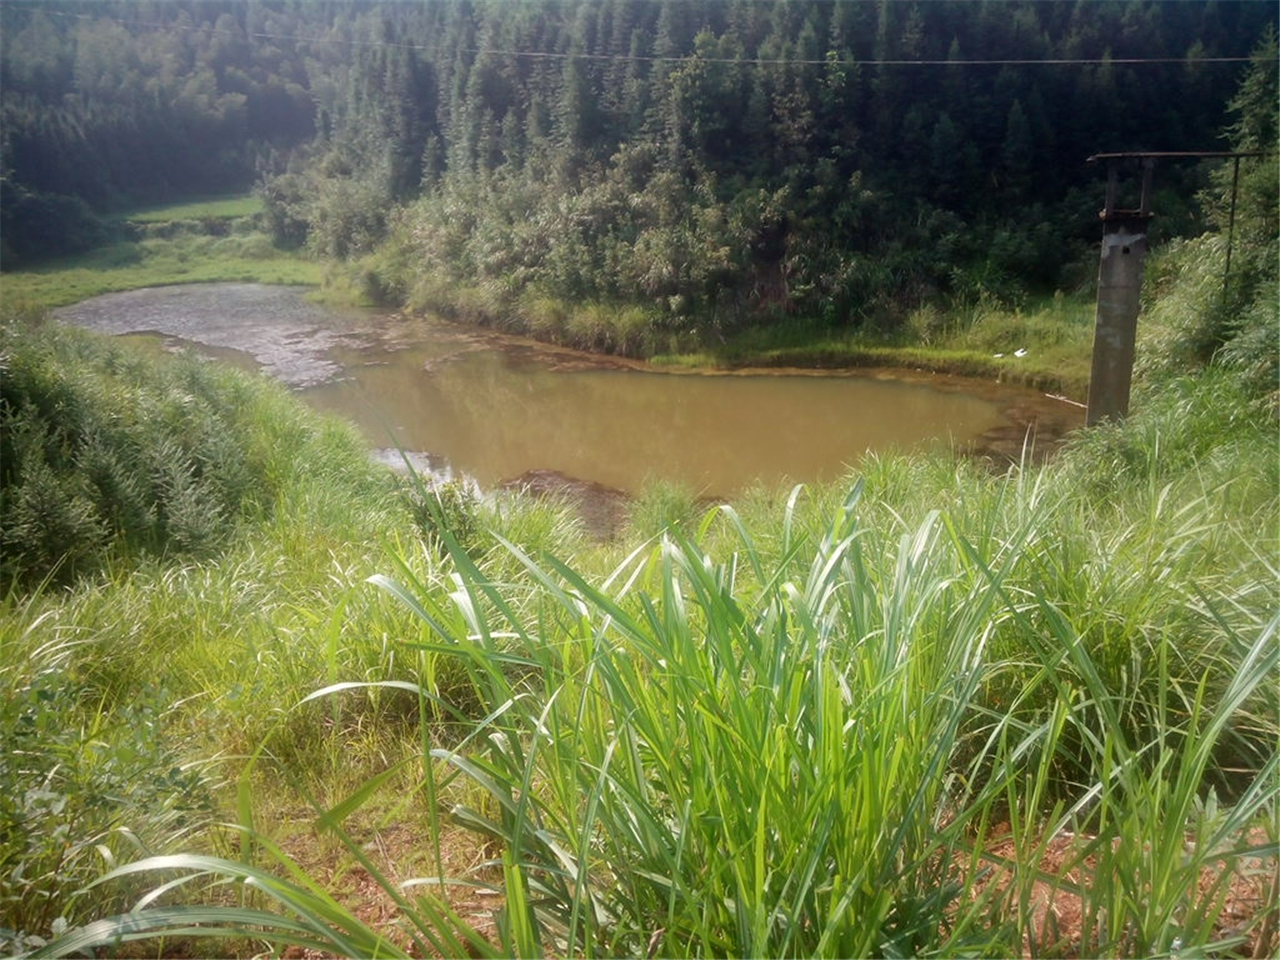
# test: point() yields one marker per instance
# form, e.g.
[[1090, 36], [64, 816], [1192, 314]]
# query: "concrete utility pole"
[[1124, 247]]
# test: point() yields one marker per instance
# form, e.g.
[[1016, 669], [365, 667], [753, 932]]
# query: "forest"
[[261, 695], [716, 163]]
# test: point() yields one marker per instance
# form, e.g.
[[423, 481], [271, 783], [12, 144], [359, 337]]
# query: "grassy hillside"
[[898, 714]]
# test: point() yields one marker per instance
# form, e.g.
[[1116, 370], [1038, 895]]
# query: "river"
[[477, 404]]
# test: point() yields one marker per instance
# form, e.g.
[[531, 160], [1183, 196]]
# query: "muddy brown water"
[[491, 408]]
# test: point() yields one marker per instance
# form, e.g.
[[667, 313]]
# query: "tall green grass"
[[980, 339], [810, 745], [108, 456]]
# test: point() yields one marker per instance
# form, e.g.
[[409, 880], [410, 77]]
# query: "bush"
[[81, 790], [106, 455], [451, 508], [284, 209], [40, 225], [346, 217]]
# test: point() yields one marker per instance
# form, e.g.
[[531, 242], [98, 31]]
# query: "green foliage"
[[794, 729], [686, 758], [98, 108], [109, 457], [706, 166], [84, 789], [1215, 297], [1253, 351], [335, 215], [37, 226], [1200, 315], [661, 508], [747, 191], [447, 510], [96, 459], [284, 207], [346, 217]]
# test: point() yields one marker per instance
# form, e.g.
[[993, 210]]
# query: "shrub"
[[451, 509], [104, 454], [83, 788], [284, 209], [40, 225]]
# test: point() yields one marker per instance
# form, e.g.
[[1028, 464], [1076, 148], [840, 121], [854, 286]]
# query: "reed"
[[803, 749]]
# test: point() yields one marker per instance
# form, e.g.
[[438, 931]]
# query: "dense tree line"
[[712, 159], [110, 104]]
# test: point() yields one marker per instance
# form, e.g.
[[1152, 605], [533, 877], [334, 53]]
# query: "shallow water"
[[492, 408]]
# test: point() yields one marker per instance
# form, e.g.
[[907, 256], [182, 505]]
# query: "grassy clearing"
[[129, 265], [843, 721], [198, 242], [210, 208]]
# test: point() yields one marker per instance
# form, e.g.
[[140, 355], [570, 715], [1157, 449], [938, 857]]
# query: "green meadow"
[[197, 242], [210, 208]]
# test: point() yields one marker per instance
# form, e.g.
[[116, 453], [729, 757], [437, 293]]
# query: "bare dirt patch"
[[401, 853], [1060, 915]]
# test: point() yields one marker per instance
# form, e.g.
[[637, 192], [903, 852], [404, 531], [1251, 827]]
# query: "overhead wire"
[[654, 58]]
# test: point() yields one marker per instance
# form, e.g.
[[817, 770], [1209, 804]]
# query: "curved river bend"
[[493, 408]]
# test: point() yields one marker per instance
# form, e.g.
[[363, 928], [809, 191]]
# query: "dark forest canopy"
[[695, 155]]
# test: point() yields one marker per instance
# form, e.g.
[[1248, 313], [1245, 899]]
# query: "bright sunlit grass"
[[806, 744], [212, 208], [1047, 344], [130, 265]]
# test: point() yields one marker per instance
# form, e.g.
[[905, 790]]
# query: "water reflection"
[[494, 417], [490, 408]]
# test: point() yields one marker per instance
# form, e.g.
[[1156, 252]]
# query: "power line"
[[1095, 61], [731, 61]]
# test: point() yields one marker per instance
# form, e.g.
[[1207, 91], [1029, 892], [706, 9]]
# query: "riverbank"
[[850, 353], [1045, 345]]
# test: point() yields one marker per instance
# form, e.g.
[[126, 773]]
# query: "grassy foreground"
[[852, 720]]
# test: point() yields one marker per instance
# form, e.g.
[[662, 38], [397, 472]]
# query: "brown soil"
[[1057, 912], [399, 852], [602, 509]]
